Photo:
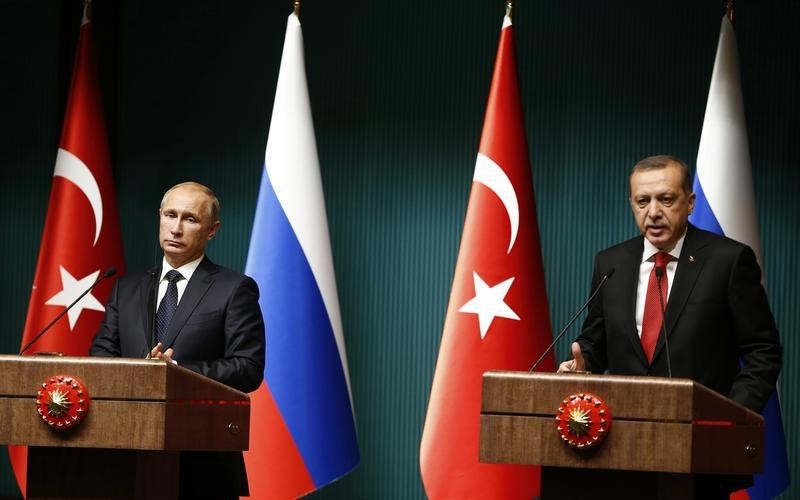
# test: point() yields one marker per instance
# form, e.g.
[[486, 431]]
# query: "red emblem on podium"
[[583, 420], [62, 402]]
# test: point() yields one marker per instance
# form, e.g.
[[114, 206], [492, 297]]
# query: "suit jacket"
[[719, 325], [217, 331]]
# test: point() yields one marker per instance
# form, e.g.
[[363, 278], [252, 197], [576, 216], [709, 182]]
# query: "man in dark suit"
[[194, 313], [720, 329]]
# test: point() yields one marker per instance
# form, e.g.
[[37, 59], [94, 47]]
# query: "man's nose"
[[653, 209]]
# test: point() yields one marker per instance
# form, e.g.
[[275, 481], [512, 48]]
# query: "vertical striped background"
[[398, 91]]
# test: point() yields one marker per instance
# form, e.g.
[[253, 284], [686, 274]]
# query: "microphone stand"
[[564, 330]]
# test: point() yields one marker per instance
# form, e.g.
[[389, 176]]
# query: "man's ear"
[[213, 230]]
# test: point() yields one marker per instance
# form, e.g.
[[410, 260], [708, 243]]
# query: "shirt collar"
[[650, 250], [186, 270]]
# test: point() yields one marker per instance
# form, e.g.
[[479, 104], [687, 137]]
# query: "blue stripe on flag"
[[703, 216], [303, 368], [775, 477]]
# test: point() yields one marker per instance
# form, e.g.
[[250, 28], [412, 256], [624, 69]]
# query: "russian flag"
[[303, 432], [725, 204]]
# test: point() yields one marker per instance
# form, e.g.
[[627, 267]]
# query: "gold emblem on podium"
[[583, 420], [62, 402]]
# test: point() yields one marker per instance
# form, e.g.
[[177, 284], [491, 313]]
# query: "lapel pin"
[[691, 258]]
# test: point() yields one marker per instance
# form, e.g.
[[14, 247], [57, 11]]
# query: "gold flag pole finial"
[[509, 8], [296, 4], [87, 11], [729, 10]]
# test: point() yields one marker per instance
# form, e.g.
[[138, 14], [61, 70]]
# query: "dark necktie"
[[168, 305], [653, 315]]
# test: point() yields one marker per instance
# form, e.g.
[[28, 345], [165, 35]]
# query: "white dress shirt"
[[186, 271]]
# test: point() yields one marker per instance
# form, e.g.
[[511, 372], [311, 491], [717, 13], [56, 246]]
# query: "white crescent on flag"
[[74, 170], [489, 173]]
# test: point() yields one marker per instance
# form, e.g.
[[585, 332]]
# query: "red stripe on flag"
[[275, 468]]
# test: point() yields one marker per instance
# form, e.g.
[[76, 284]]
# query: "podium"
[[141, 414], [663, 432]]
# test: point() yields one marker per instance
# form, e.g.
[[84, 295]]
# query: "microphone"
[[659, 274], [564, 330], [111, 271], [151, 307]]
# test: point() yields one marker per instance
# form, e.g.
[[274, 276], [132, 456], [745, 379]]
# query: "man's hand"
[[576, 364], [156, 353]]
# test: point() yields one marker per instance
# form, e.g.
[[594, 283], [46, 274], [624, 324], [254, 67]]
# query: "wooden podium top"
[[135, 404], [659, 424], [641, 398]]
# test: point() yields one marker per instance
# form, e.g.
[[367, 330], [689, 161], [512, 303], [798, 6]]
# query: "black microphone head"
[[111, 271], [659, 272], [610, 273]]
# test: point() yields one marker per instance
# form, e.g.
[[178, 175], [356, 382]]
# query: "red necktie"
[[653, 315]]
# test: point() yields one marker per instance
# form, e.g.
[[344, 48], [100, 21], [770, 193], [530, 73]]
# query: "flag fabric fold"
[[725, 204], [498, 316], [81, 237], [303, 432]]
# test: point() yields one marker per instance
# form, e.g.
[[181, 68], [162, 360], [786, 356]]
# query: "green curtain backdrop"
[[398, 91]]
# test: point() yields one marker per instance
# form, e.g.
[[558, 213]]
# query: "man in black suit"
[[213, 327], [720, 329]]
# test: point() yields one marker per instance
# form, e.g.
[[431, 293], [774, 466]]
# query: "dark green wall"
[[398, 91]]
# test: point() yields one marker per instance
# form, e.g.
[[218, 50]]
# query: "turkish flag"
[[498, 316], [81, 238]]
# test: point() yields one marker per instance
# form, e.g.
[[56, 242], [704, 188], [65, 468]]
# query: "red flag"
[[498, 315], [81, 238]]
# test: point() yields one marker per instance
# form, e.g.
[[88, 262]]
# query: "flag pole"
[[87, 11], [509, 8], [729, 10], [296, 4]]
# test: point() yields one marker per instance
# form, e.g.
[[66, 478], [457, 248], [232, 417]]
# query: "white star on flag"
[[488, 303], [72, 289]]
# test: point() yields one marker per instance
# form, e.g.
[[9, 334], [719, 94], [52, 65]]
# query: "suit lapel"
[[201, 281], [629, 280]]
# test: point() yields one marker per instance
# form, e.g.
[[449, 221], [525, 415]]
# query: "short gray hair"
[[662, 161], [214, 201]]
